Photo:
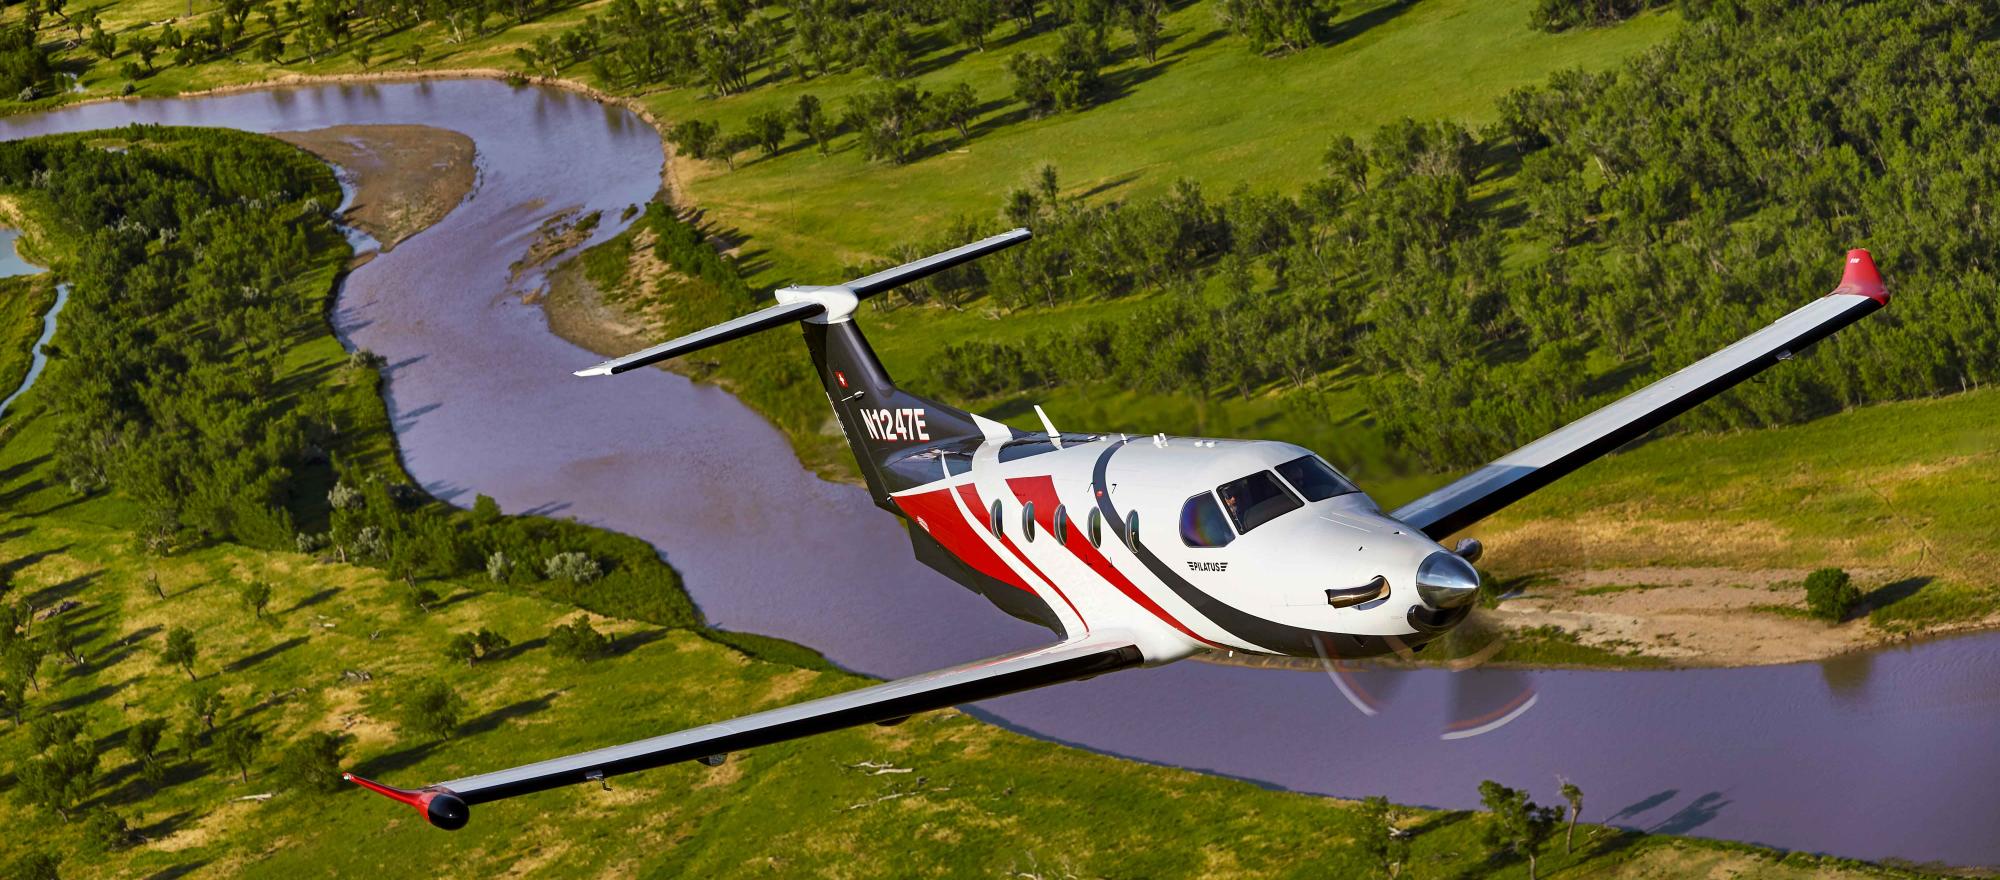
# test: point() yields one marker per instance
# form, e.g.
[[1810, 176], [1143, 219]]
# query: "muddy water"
[[1884, 754]]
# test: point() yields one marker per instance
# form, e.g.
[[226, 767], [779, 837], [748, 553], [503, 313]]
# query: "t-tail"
[[895, 435]]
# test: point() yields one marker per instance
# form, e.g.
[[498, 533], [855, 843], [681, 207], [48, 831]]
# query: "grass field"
[[1909, 489], [24, 299]]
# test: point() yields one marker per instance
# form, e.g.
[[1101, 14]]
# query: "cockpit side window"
[[1202, 523], [1315, 479], [1256, 500]]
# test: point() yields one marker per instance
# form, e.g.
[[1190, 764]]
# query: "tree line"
[[1491, 284]]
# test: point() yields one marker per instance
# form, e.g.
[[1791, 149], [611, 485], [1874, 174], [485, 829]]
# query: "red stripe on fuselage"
[[1042, 491], [939, 515], [971, 495]]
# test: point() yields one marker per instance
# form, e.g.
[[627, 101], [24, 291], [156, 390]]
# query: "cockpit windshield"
[[1315, 479], [1256, 500]]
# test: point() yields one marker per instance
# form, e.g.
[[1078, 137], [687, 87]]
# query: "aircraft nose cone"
[[1446, 581]]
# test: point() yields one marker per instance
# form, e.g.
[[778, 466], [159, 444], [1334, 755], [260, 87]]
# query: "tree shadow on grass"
[[632, 641], [90, 697], [19, 468], [1885, 596], [178, 871], [16, 566], [249, 660], [410, 756], [66, 590], [1343, 31], [516, 649], [314, 599]]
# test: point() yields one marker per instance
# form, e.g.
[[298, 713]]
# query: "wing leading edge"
[[446, 805], [1513, 476]]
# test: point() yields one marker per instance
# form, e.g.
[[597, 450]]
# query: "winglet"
[[439, 806], [1861, 278]]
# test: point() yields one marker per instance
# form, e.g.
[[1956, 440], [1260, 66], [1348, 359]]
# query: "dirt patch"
[[406, 177]]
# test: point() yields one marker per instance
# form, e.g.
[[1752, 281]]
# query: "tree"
[[811, 121], [1142, 18], [204, 703], [472, 647], [64, 772], [145, 47], [733, 143], [414, 54], [257, 597], [970, 21], [485, 510], [102, 43], [363, 51], [575, 566], [239, 743], [181, 650], [106, 830], [1830, 594], [1518, 826], [1284, 25], [769, 129], [432, 710], [694, 137], [36, 865], [1575, 797], [890, 122], [578, 641], [312, 763], [1381, 837], [955, 107], [143, 741]]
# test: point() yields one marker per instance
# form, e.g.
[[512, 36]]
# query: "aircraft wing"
[[446, 805], [1513, 476]]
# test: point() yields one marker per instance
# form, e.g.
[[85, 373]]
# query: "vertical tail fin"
[[884, 425]]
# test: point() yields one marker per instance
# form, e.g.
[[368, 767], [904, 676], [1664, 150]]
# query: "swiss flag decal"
[[840, 377]]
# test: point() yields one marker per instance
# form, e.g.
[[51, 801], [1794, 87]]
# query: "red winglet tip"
[[413, 798], [1861, 277], [438, 805]]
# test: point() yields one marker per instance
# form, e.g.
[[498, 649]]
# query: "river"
[[1886, 754]]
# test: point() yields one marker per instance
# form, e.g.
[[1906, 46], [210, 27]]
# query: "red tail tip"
[[1861, 277], [439, 806]]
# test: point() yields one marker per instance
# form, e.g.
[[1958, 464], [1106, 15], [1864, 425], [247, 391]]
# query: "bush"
[[107, 830], [578, 641], [313, 763], [577, 568], [432, 710], [1830, 594]]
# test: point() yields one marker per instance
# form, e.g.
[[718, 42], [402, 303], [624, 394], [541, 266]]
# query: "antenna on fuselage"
[[1055, 436]]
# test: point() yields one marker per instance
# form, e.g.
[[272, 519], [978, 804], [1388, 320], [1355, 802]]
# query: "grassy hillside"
[[1907, 491]]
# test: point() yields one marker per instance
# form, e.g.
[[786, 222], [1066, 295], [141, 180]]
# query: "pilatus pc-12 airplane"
[[1137, 550]]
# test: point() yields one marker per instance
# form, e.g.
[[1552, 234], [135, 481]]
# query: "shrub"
[[578, 641], [497, 567], [1830, 594], [313, 763], [432, 710], [577, 568]]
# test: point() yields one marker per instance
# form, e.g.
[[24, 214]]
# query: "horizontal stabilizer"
[[762, 319], [869, 285], [829, 304]]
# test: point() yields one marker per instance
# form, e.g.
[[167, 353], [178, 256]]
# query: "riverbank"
[[405, 177]]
